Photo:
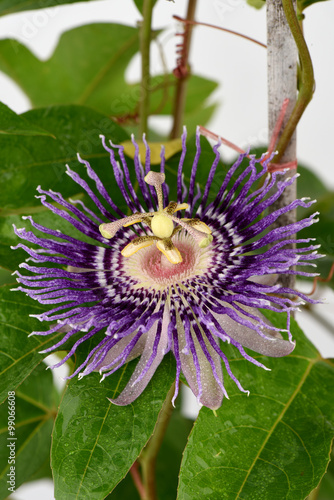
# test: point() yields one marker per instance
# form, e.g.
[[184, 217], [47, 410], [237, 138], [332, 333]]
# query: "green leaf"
[[19, 354], [168, 461], [35, 409], [274, 443], [11, 123], [257, 4], [87, 67], [302, 4], [27, 162], [12, 6], [94, 441], [140, 3]]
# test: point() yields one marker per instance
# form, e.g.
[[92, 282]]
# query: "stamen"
[[198, 224], [170, 251], [137, 244], [174, 207]]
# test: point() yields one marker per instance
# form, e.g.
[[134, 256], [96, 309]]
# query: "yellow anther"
[[162, 226], [170, 251], [137, 244], [182, 206], [132, 222], [174, 207], [199, 225]]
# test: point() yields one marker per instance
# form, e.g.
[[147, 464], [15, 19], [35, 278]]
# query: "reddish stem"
[[188, 21], [134, 471]]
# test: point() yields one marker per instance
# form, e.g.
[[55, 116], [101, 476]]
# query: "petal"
[[274, 346], [132, 389], [210, 393], [265, 279], [117, 349]]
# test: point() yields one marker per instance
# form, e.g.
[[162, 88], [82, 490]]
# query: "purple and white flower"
[[191, 277]]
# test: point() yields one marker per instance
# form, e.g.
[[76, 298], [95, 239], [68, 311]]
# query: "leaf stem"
[[137, 480], [182, 82], [306, 84], [149, 454], [145, 44]]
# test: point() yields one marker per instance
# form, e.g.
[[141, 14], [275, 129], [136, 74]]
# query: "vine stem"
[[282, 58], [149, 454], [145, 44], [182, 82], [306, 84]]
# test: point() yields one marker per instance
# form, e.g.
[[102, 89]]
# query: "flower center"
[[161, 223], [151, 269]]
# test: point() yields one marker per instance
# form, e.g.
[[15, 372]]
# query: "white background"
[[240, 68]]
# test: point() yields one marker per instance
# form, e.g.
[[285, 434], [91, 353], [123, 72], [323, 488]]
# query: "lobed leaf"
[[274, 443], [87, 66]]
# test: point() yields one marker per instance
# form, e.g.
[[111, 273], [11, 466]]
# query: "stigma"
[[163, 224]]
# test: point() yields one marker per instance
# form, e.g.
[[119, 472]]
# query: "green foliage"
[[275, 443], [11, 123], [35, 408], [168, 461], [87, 68], [27, 162], [301, 4], [19, 354], [257, 4], [95, 442], [12, 6]]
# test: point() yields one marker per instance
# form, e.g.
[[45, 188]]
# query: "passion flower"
[[191, 277]]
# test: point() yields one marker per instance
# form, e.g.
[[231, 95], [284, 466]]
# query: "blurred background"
[[239, 68]]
